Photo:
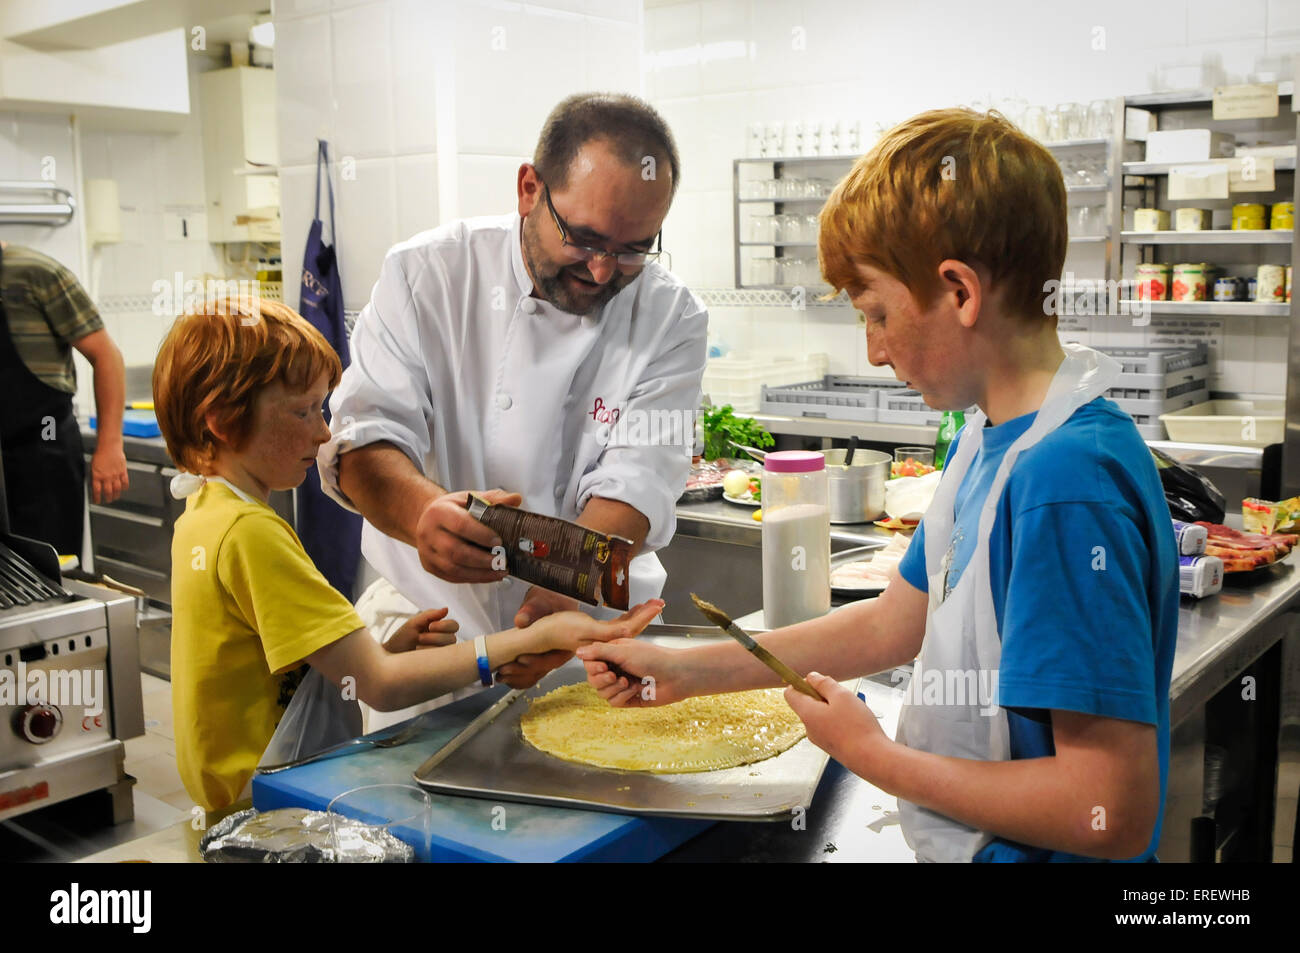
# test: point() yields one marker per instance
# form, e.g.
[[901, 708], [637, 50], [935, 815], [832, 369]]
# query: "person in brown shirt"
[[44, 313]]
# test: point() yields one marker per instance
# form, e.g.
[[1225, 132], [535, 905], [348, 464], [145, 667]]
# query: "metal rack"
[[1146, 184], [777, 169], [57, 211]]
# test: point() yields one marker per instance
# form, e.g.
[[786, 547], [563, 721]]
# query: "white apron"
[[961, 634]]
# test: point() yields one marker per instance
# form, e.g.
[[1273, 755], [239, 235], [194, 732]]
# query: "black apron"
[[330, 534], [44, 470]]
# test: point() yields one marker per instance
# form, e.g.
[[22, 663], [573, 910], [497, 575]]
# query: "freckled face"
[[288, 428], [918, 344]]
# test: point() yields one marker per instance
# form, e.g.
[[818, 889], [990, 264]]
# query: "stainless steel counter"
[[1220, 636], [733, 523]]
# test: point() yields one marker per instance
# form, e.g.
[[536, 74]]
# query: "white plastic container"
[[1245, 423], [1188, 145], [738, 380], [796, 538]]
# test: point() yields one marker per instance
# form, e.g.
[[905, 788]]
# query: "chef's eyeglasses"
[[624, 259]]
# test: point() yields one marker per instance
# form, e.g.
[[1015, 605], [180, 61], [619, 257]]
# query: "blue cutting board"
[[463, 827]]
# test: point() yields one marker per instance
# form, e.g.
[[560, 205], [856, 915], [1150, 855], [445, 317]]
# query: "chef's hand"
[[454, 545], [633, 674], [424, 630], [541, 602], [108, 479], [842, 726]]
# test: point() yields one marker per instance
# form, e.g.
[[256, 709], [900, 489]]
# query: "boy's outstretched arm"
[[860, 639], [1098, 795]]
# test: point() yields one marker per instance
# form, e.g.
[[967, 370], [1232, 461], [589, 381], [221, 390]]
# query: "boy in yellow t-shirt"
[[238, 389]]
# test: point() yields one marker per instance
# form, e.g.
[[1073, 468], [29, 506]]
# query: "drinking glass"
[[1035, 122], [403, 810], [1072, 120], [775, 138], [1100, 117]]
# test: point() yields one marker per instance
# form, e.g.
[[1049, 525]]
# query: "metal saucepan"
[[857, 492]]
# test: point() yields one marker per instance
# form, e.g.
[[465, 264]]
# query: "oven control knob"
[[39, 723]]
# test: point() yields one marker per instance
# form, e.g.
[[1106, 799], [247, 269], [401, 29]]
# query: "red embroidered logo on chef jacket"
[[602, 414]]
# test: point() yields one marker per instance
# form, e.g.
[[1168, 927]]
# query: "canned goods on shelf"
[[1151, 220], [1226, 289], [1191, 219], [1152, 280], [1249, 216], [1270, 283], [1188, 282]]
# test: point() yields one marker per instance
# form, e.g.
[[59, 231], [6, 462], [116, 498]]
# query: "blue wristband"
[[484, 670]]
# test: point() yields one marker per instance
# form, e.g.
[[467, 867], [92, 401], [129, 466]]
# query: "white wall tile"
[[284, 9], [303, 87], [611, 50], [487, 184], [626, 11], [416, 180], [726, 36], [1210, 21], [1283, 17], [297, 202], [363, 81], [503, 92], [367, 228], [672, 37], [415, 24]]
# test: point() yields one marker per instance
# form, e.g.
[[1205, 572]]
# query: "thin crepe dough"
[[698, 734]]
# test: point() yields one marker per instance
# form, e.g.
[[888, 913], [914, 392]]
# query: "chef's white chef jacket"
[[484, 386]]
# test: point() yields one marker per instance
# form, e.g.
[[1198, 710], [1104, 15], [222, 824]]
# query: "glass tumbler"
[[403, 810]]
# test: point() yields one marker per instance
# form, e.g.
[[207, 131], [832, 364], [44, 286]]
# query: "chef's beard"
[[548, 277]]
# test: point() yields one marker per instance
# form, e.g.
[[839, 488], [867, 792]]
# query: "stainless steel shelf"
[[821, 200], [1194, 454], [1212, 454], [1278, 309], [1088, 188], [1074, 143], [1089, 238], [1215, 236], [1189, 97], [844, 429], [790, 160], [1280, 164]]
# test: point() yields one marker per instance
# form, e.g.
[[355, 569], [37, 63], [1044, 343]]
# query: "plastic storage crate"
[[1159, 380], [1152, 403], [835, 396], [1160, 367], [906, 407], [739, 382]]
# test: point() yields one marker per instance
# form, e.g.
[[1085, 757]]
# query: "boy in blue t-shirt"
[[1039, 597]]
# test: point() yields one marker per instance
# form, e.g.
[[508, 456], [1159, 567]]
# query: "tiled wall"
[[714, 66], [156, 174], [429, 107]]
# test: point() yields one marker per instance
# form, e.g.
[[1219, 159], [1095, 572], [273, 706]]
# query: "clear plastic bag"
[[318, 716]]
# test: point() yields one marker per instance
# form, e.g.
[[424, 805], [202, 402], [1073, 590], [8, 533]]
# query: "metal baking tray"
[[490, 759]]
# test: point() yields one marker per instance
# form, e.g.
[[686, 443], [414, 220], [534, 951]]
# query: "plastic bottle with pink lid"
[[796, 538]]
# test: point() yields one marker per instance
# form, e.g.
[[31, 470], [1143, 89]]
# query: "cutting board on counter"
[[474, 829]]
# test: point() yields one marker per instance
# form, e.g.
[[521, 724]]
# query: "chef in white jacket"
[[546, 353]]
